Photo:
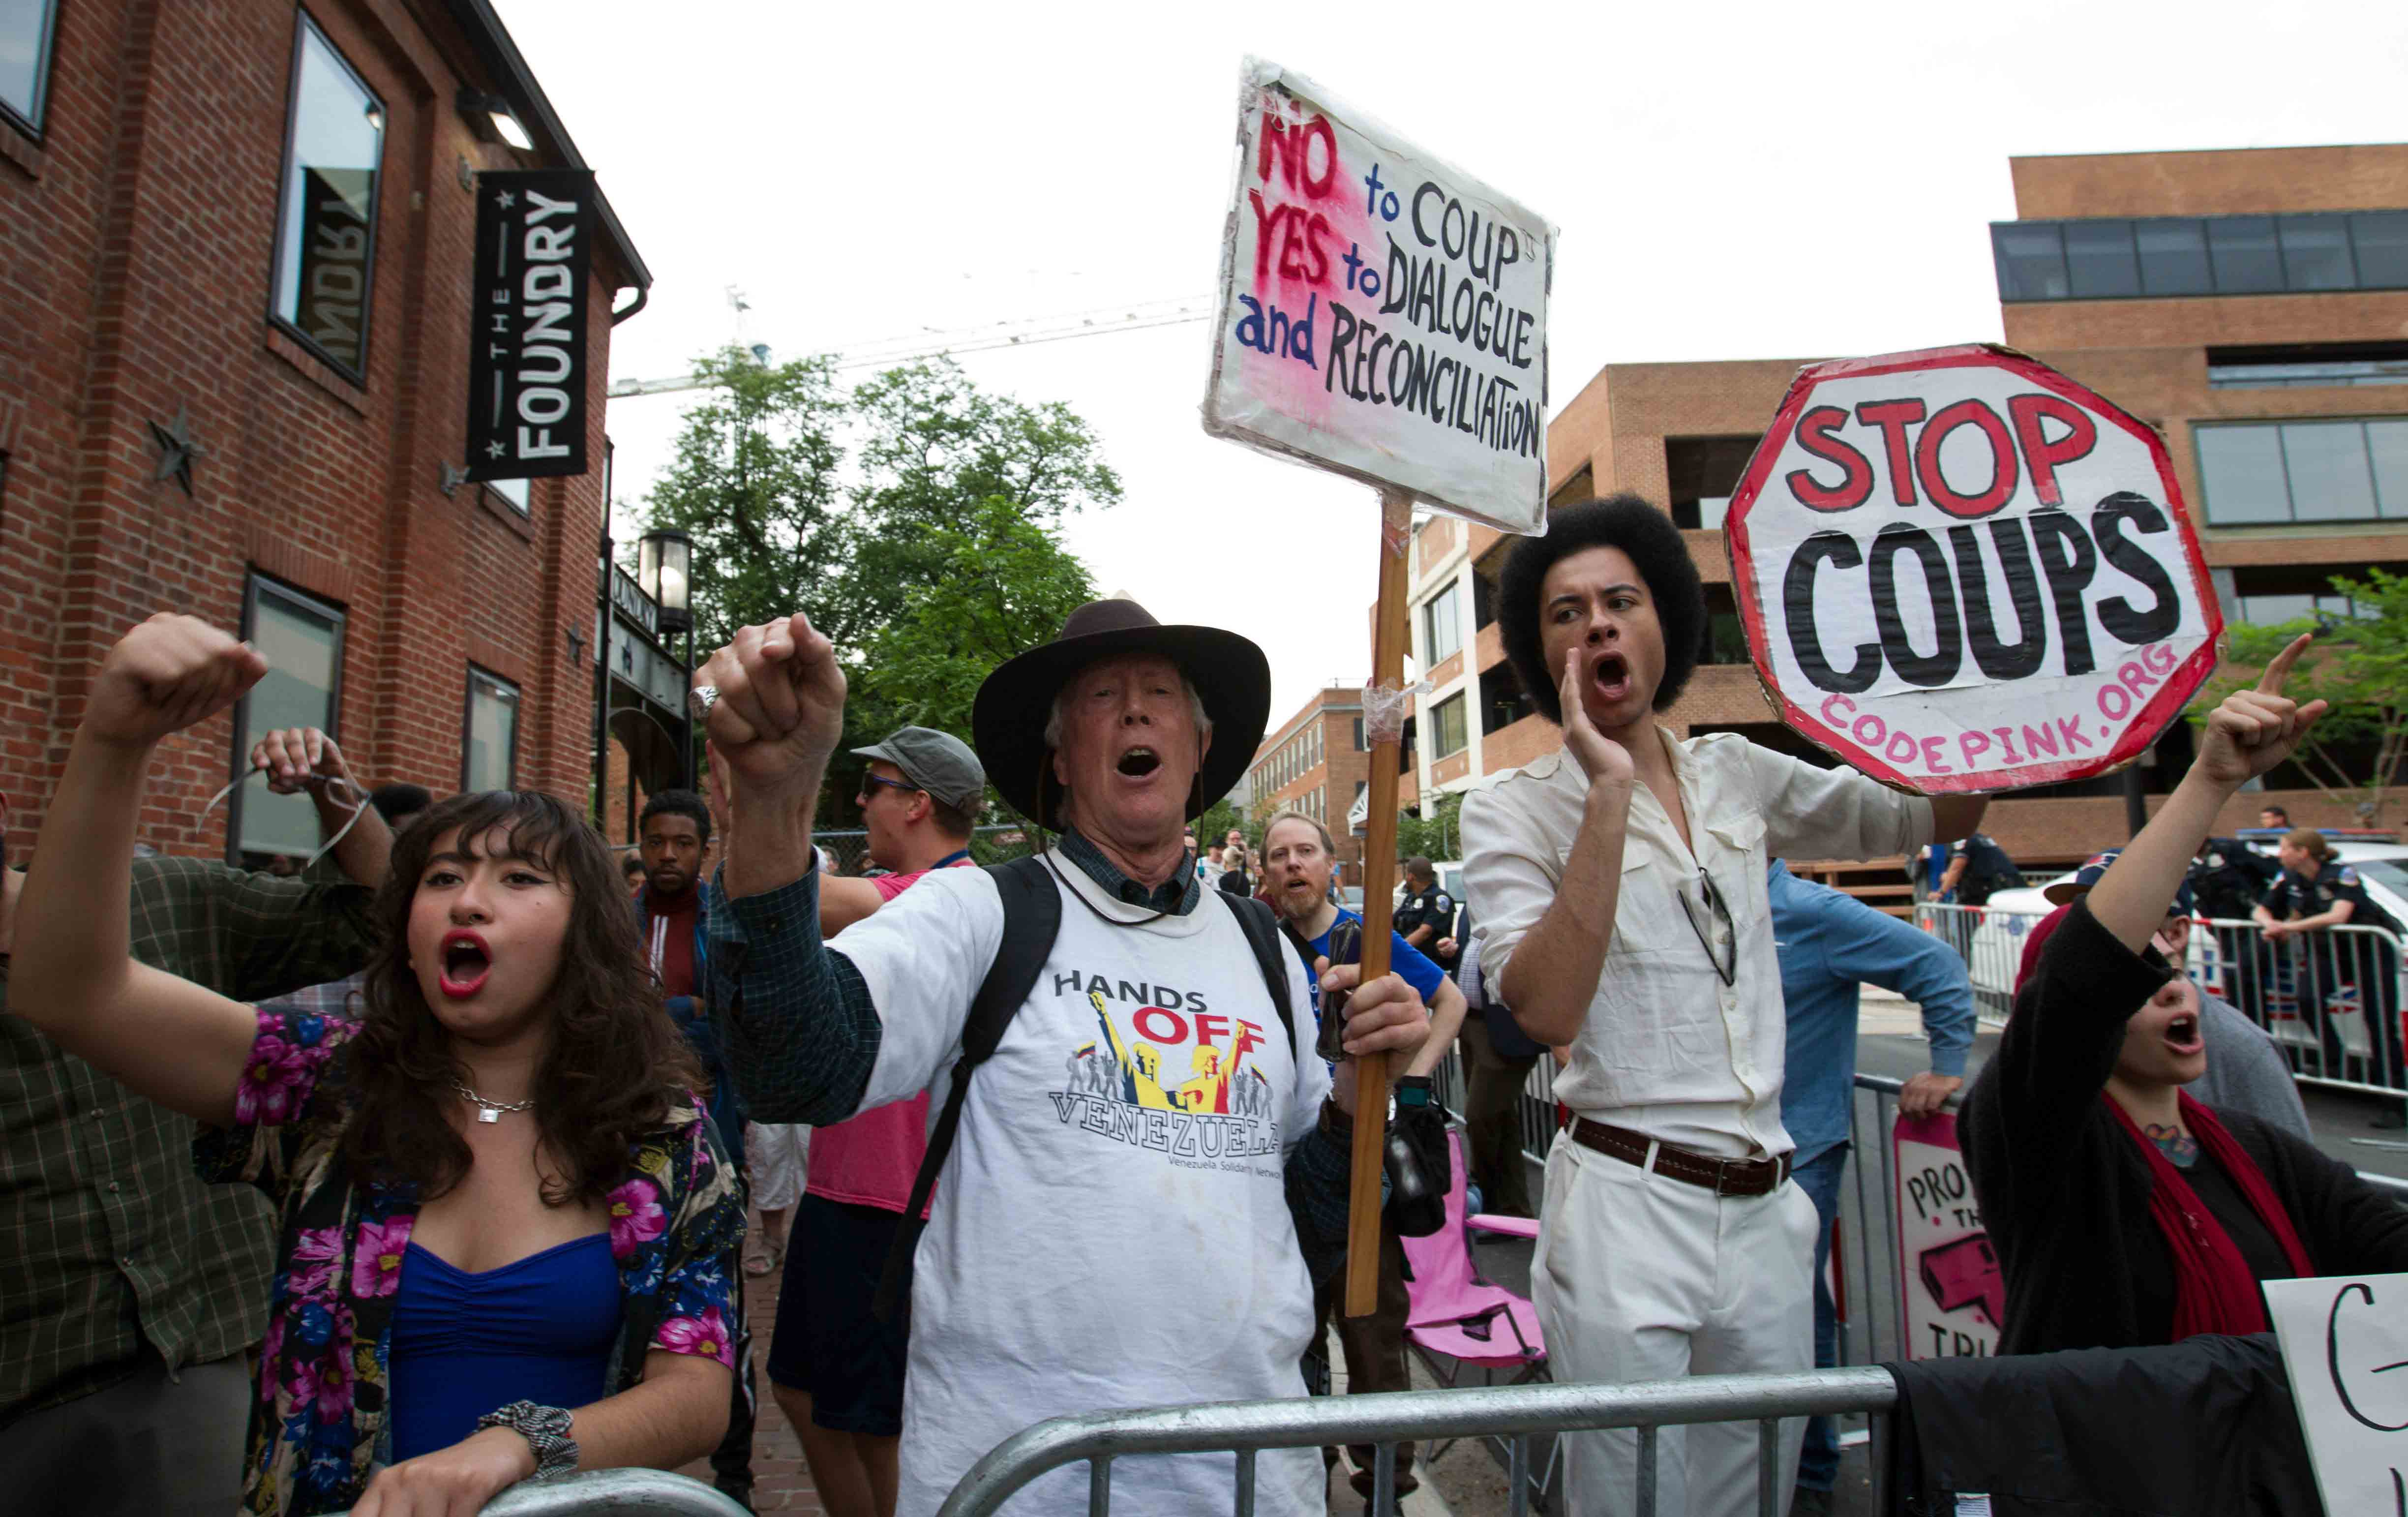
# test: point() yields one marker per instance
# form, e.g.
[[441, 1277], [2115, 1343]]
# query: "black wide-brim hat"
[[1008, 721]]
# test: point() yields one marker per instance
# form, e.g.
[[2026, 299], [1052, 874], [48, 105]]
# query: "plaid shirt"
[[111, 1240], [802, 1034]]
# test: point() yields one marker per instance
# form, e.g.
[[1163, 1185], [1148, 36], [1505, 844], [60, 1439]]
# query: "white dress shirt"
[[1667, 1048]]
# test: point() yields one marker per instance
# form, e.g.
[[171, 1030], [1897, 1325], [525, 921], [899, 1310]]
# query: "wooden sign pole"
[[1379, 908]]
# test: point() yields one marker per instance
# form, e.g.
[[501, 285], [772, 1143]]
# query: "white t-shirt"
[[1111, 1229]]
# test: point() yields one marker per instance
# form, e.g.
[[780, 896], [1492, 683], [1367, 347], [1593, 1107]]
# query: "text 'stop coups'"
[[1961, 571]]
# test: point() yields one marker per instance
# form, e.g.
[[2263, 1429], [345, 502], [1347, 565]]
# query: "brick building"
[[236, 247], [2251, 304], [1315, 762]]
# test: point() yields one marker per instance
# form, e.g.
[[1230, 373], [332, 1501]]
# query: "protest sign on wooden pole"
[[1384, 317]]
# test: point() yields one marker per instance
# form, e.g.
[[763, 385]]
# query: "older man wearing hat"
[[1152, 1147]]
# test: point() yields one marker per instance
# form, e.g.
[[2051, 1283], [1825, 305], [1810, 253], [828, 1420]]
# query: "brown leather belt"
[[1724, 1176]]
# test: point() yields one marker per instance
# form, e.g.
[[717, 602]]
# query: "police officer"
[[1978, 869], [2316, 892], [2228, 880], [1427, 916]]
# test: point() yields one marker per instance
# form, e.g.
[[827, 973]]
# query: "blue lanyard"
[[950, 859]]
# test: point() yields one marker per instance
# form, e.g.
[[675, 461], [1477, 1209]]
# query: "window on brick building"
[[2109, 257], [1726, 633], [2315, 366], [1441, 627], [1501, 701], [1447, 722], [26, 31], [303, 639], [1360, 746], [2273, 472], [515, 491], [1700, 475], [489, 737], [326, 238], [2264, 595]]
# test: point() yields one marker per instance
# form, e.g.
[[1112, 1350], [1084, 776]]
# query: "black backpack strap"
[[1032, 918], [1296, 940], [1263, 932]]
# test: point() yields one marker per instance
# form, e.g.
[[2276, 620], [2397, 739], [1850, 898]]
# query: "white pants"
[[1640, 1277], [779, 1154]]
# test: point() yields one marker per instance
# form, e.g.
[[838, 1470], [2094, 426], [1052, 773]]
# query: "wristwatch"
[[546, 1430]]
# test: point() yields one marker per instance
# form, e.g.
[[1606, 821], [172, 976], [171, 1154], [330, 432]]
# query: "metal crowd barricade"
[[1872, 1329], [2330, 999], [1243, 1428], [613, 1492], [1990, 940]]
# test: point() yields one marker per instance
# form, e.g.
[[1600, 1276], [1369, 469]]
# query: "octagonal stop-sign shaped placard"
[[1961, 571]]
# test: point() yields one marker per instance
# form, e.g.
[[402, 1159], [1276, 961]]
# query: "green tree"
[[988, 587], [2360, 663], [916, 518], [1218, 817], [756, 482], [1437, 836]]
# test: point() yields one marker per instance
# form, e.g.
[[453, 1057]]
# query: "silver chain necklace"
[[491, 1110]]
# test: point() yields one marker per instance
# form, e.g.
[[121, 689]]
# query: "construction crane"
[[1026, 332]]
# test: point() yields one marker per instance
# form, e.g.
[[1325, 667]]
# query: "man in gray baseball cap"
[[921, 797], [936, 762]]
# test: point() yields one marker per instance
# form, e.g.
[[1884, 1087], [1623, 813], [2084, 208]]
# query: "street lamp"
[[663, 565], [664, 561], [493, 119]]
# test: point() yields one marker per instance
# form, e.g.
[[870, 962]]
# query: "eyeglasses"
[[1716, 906], [871, 781]]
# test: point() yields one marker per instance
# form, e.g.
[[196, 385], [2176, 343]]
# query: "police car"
[[1997, 945]]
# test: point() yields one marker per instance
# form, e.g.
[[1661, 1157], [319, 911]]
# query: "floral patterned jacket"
[[318, 1430]]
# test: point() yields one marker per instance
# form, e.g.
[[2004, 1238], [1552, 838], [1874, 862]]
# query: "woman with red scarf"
[[2123, 1212]]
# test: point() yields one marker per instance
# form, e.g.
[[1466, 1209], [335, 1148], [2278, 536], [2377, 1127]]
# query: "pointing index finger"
[[2271, 682]]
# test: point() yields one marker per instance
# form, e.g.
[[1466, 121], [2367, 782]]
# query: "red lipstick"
[[466, 961]]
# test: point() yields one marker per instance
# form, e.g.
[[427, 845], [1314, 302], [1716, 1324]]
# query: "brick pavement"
[[781, 1482]]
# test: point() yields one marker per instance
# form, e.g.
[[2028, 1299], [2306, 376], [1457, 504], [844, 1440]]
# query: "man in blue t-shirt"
[[1297, 859]]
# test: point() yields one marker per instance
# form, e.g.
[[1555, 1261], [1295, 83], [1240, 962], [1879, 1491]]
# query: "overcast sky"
[[1739, 181]]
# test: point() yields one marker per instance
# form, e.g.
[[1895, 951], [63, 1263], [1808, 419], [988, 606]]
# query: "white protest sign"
[[1961, 571], [1383, 316], [1955, 1293], [2345, 1349]]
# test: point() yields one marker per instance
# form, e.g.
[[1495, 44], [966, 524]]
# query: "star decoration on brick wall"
[[177, 451]]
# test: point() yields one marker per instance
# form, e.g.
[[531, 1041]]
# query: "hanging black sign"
[[526, 359]]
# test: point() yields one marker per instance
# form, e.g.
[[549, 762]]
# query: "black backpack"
[[1032, 918]]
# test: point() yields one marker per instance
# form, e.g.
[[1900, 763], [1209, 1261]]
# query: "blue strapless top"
[[463, 1344]]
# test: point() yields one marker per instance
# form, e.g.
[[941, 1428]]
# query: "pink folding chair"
[[1456, 1320], [1453, 1311]]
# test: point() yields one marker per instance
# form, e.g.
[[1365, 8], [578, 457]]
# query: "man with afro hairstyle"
[[1619, 885]]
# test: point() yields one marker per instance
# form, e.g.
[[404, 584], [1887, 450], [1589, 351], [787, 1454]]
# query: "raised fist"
[[777, 711], [167, 674]]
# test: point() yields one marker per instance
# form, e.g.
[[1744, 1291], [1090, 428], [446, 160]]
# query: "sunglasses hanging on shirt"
[[1716, 907]]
